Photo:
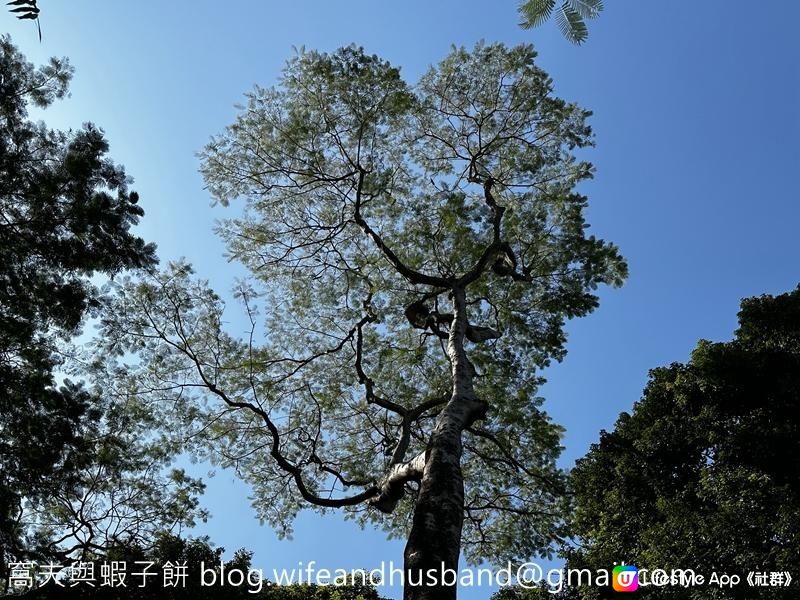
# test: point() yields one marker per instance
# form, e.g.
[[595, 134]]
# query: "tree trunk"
[[434, 544]]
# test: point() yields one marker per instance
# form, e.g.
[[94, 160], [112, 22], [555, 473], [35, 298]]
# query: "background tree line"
[[703, 473], [77, 472], [193, 554]]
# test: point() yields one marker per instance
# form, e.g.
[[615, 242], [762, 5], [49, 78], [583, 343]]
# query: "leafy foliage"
[[703, 474], [26, 9], [571, 16], [369, 203], [540, 592], [65, 216], [118, 491]]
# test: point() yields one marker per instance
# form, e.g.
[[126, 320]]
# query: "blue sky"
[[696, 117]]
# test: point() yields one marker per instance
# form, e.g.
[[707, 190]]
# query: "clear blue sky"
[[697, 120]]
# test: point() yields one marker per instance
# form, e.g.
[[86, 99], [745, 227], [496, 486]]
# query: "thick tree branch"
[[275, 451], [363, 378], [392, 488], [410, 274]]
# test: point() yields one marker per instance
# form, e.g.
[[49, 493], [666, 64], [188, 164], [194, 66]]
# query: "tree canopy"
[[703, 473], [415, 252], [75, 471]]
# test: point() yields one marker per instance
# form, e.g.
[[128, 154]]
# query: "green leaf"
[[536, 12], [571, 24], [587, 9]]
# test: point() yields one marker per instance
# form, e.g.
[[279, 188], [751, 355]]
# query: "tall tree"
[[704, 473], [418, 250], [65, 215]]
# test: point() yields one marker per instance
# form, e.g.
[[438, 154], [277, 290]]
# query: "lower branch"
[[392, 489]]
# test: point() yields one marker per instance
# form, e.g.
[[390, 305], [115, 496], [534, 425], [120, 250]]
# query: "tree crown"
[[371, 206]]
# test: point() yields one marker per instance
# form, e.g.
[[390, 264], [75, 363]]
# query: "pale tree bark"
[[435, 540]]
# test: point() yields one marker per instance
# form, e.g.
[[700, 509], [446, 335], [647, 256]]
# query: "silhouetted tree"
[[26, 10], [65, 215], [704, 473]]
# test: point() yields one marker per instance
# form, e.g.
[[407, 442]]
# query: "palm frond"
[[535, 12], [571, 24], [26, 9], [587, 9]]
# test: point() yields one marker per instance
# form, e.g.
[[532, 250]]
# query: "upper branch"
[[410, 274], [275, 448], [281, 460]]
